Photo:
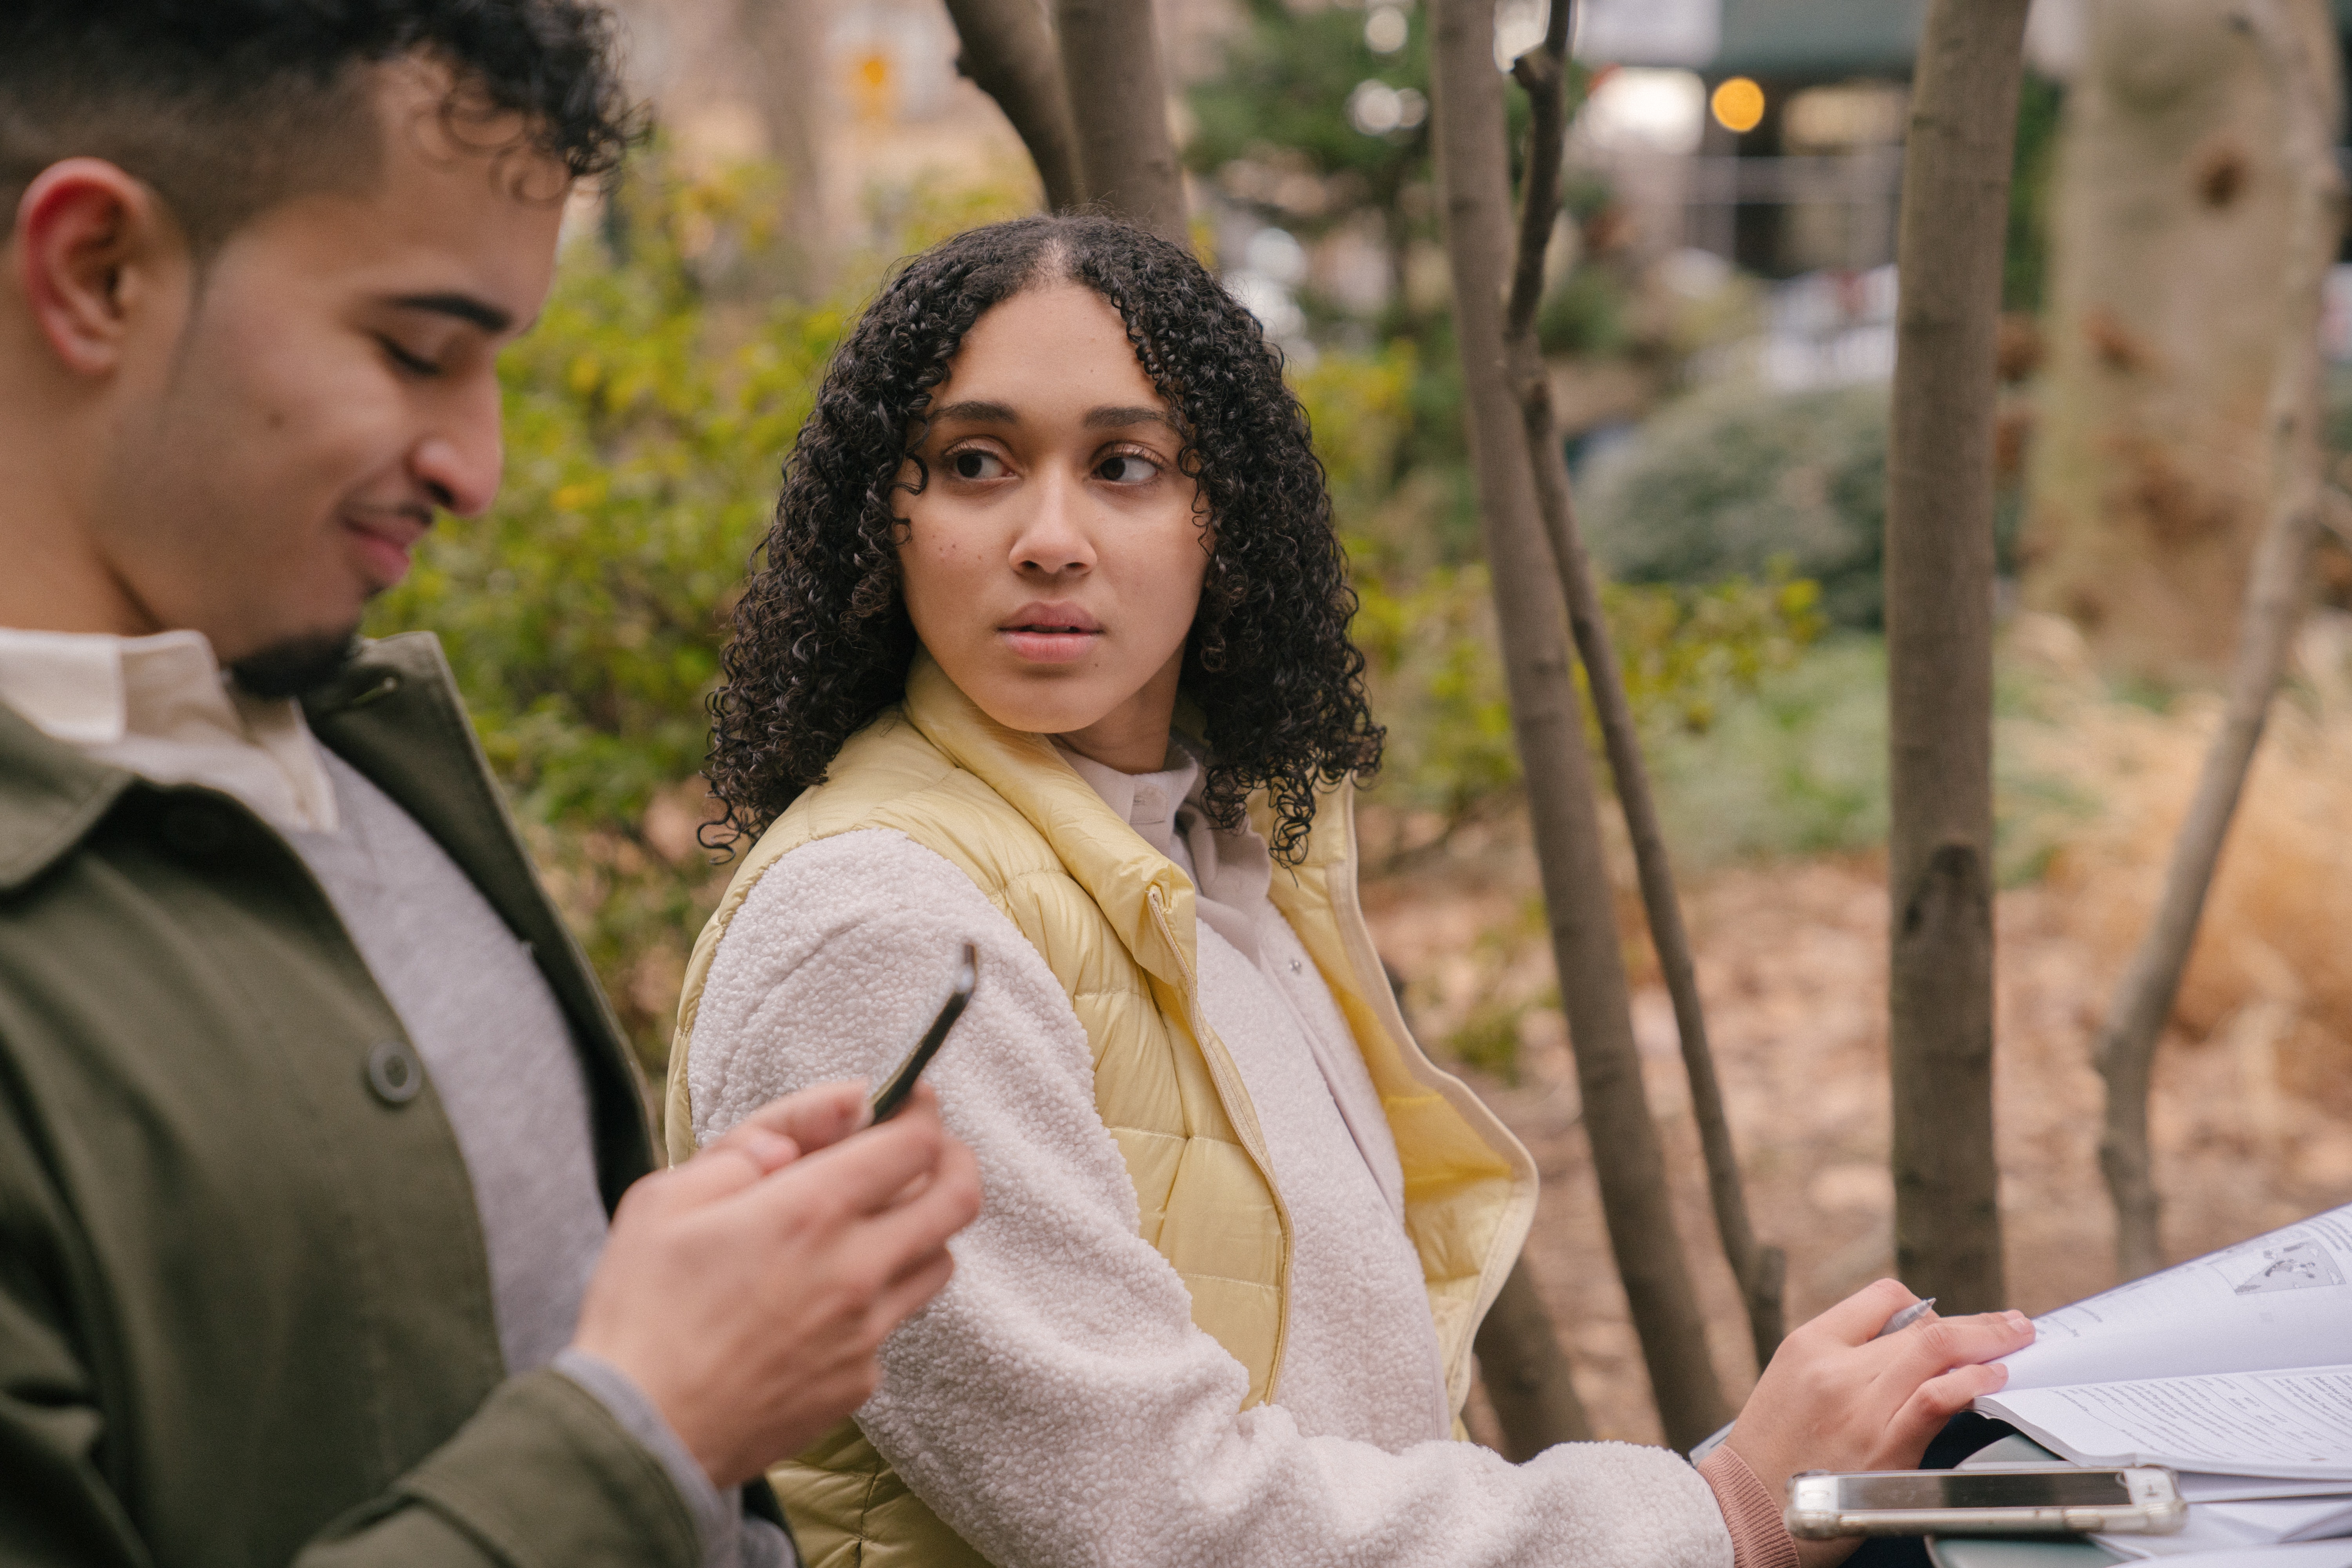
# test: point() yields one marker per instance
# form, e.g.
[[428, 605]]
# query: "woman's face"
[[1053, 564]]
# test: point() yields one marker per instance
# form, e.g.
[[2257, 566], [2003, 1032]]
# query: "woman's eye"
[[1126, 468], [977, 465]]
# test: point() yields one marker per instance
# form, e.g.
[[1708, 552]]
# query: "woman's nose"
[[1054, 537]]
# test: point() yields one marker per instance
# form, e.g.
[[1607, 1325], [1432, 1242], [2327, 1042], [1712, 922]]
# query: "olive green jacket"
[[245, 1306]]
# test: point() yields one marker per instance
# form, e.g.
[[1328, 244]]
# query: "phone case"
[[2156, 1508]]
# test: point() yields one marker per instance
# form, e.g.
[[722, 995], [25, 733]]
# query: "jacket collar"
[[394, 713], [51, 795], [1120, 871]]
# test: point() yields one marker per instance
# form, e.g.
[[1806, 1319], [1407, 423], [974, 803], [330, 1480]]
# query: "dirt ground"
[[1791, 962]]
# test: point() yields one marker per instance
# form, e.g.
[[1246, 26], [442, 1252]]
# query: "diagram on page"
[[2294, 1266]]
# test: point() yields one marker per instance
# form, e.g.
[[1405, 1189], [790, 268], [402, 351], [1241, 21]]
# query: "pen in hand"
[[1906, 1317], [1895, 1325]]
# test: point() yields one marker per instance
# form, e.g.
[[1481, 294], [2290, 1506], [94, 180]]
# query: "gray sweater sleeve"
[[729, 1539]]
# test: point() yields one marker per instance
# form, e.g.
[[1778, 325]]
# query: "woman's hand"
[[1836, 1397]]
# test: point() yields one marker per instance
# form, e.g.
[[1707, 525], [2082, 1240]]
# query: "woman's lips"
[[1050, 631], [1049, 645]]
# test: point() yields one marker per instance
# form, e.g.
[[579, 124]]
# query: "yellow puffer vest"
[[1114, 921]]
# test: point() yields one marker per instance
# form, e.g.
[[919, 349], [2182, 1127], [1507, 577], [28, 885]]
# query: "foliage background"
[[647, 419]]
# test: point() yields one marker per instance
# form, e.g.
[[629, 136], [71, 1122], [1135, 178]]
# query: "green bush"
[[1733, 481], [1797, 766], [1586, 315]]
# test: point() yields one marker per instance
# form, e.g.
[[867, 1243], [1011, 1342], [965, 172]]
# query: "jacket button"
[[195, 829], [394, 1072]]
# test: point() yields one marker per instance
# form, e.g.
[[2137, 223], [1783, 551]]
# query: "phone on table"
[[892, 1096], [2013, 1499]]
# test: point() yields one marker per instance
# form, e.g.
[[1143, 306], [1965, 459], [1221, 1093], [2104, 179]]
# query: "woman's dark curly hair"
[[822, 636]]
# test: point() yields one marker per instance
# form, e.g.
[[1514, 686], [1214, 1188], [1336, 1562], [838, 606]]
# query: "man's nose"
[[1054, 537], [462, 459]]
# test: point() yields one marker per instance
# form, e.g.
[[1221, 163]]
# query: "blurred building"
[[1769, 134], [1811, 181], [1807, 177]]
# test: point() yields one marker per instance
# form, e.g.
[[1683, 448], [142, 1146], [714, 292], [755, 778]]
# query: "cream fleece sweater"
[[1056, 1404]]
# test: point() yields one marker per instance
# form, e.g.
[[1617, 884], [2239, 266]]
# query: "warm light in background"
[[1738, 105], [870, 86]]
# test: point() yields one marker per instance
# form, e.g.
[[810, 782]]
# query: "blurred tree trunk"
[[1089, 99], [2304, 90], [1939, 582], [2150, 479], [1546, 714], [1118, 106], [1527, 1373], [788, 92], [1009, 54], [1761, 1270]]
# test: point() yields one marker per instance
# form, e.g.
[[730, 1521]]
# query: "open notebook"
[[2234, 1369]]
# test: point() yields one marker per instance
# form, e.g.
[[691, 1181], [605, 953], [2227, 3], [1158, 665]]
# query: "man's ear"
[[95, 252]]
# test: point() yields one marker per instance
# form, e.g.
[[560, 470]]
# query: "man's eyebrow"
[[1113, 419], [976, 413], [465, 306]]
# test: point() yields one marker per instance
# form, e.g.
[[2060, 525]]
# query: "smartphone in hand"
[[892, 1096]]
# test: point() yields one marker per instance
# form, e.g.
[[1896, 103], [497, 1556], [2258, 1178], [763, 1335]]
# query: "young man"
[[312, 1123]]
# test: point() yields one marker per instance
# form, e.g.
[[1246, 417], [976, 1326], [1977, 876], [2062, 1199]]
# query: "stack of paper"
[[2235, 1370]]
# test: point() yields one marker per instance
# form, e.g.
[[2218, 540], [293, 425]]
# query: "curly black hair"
[[229, 107], [823, 640]]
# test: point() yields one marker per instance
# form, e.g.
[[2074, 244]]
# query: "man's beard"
[[291, 668]]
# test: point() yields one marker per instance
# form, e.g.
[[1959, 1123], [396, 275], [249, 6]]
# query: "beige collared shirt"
[[162, 707]]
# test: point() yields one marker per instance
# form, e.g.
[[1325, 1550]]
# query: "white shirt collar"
[[161, 707], [1146, 802]]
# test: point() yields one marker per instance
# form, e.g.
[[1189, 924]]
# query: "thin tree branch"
[[1760, 1270], [2275, 592], [1547, 717], [1542, 72], [1008, 53]]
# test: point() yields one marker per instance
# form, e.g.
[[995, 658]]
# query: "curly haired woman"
[[1049, 654]]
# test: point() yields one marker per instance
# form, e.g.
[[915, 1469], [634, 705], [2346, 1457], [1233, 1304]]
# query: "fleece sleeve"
[[1056, 1404]]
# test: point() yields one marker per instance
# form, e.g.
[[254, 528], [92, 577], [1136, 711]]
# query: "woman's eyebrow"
[[977, 414], [1113, 419]]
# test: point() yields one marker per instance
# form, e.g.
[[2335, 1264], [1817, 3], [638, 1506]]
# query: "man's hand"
[[1836, 1397], [748, 1291]]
